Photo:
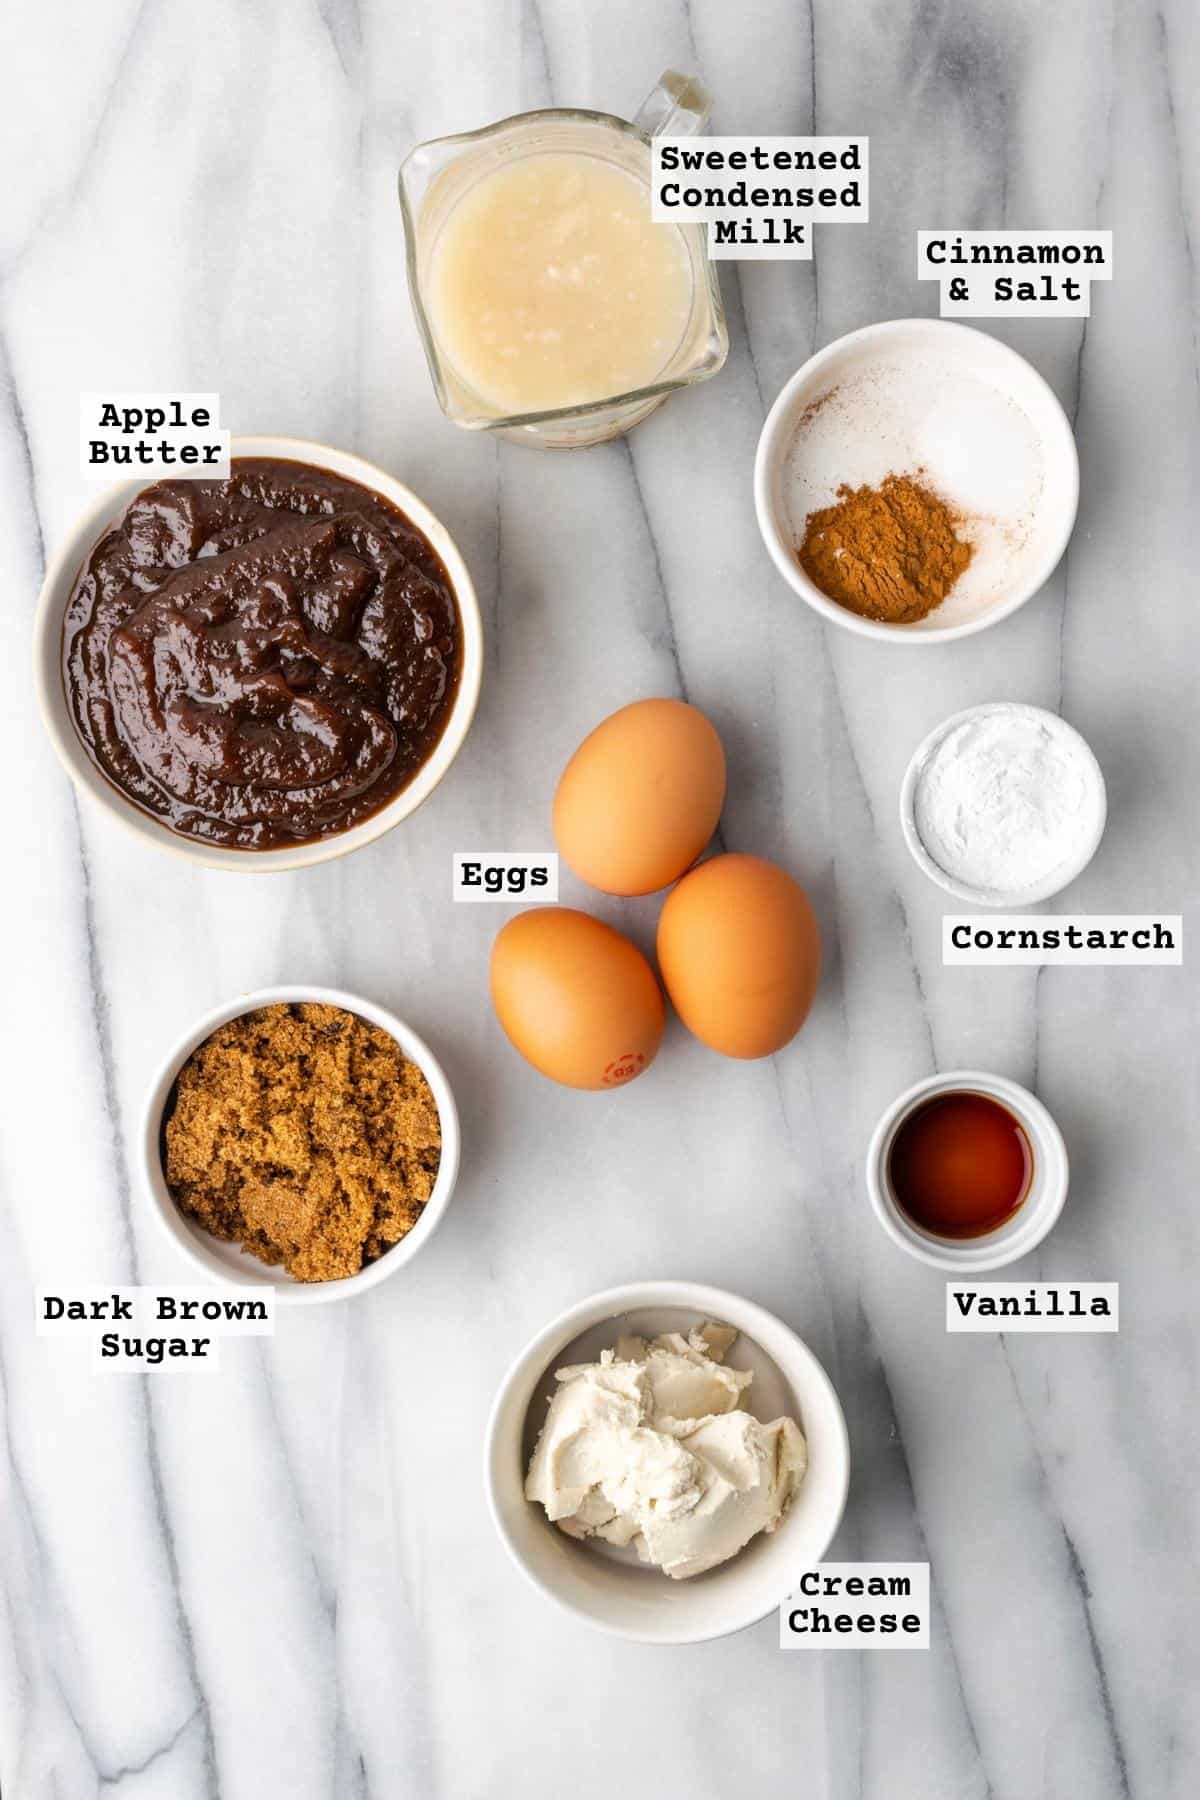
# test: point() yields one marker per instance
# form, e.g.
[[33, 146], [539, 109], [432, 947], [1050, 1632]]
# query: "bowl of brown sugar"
[[300, 1138]]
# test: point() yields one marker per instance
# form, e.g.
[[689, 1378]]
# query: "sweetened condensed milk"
[[550, 285]]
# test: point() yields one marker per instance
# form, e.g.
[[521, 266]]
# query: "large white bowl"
[[609, 1589], [214, 1258], [988, 365], [61, 573]]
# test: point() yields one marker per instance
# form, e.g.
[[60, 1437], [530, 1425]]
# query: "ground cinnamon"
[[889, 552]]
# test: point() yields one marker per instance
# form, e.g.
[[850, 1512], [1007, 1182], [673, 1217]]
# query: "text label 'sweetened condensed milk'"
[[550, 286]]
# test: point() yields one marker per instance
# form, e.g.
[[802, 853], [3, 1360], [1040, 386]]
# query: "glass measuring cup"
[[437, 176]]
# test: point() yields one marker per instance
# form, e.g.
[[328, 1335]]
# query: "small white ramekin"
[[1015, 897], [1032, 1221], [625, 1598], [214, 1258], [992, 362], [61, 573]]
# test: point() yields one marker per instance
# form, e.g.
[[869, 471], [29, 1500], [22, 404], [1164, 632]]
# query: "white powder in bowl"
[[1007, 798]]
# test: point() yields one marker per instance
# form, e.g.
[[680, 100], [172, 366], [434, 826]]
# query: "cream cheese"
[[650, 1446]]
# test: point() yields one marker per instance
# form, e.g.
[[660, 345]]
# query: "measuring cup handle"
[[678, 107]]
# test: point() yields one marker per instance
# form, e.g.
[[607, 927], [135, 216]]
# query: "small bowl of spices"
[[300, 1138], [916, 481], [967, 1171]]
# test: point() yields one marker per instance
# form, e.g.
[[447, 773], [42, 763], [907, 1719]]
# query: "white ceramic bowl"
[[1016, 554], [610, 1589], [228, 1262], [61, 573], [1065, 874], [1030, 1223]]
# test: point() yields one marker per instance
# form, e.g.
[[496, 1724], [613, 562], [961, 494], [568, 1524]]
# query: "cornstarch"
[[1004, 800]]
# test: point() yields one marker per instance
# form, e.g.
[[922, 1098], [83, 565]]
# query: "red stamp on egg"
[[624, 1068]]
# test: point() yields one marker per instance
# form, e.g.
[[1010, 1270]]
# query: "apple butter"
[[262, 661]]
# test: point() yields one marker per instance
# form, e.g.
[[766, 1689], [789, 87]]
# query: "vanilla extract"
[[960, 1165]]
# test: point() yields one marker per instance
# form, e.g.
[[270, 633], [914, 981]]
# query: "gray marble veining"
[[237, 1584]]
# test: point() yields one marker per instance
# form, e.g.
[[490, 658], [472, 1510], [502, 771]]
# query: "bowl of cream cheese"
[[665, 1460]]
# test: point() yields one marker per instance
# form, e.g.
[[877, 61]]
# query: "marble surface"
[[280, 1579]]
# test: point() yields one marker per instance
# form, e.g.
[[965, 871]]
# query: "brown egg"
[[641, 797], [740, 954], [578, 1000]]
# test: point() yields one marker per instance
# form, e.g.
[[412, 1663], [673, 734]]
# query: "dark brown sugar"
[[304, 1134]]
